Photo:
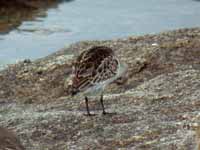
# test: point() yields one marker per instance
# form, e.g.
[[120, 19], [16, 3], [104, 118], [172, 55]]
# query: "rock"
[[8, 140], [14, 12], [154, 106]]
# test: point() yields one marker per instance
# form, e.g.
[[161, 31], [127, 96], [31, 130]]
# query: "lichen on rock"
[[154, 106]]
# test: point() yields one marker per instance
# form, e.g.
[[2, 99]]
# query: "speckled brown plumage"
[[93, 70], [93, 66]]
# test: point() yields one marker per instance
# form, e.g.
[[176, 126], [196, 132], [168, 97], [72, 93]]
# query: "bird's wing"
[[83, 72], [94, 66], [88, 76], [106, 70]]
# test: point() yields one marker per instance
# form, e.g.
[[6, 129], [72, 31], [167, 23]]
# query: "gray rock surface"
[[155, 106], [9, 141]]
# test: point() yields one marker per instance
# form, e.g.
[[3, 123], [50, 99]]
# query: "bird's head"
[[74, 86]]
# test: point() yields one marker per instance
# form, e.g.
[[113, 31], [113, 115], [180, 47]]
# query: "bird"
[[93, 70]]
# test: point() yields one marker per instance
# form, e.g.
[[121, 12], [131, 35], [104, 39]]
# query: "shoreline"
[[156, 104]]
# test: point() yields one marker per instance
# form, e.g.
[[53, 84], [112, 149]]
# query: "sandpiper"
[[93, 70]]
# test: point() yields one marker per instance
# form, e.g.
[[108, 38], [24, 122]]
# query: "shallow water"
[[89, 20]]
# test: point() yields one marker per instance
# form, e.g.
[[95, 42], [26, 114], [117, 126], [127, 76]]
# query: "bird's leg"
[[101, 100], [87, 107]]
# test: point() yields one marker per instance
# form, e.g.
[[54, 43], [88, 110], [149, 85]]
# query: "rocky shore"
[[155, 106]]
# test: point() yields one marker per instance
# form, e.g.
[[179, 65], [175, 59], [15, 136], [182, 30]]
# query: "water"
[[89, 20]]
